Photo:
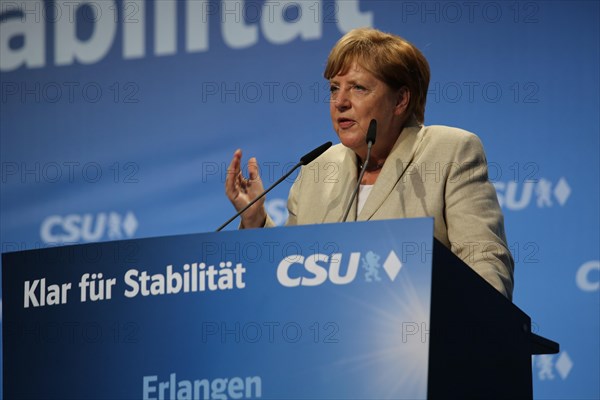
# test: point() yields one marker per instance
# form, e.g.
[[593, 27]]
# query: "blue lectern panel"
[[328, 311]]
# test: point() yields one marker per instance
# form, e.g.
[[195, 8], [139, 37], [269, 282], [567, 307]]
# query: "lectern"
[[481, 343], [358, 310]]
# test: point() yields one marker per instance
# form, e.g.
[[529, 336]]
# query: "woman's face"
[[357, 96]]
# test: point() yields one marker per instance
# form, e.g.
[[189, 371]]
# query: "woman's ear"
[[402, 101]]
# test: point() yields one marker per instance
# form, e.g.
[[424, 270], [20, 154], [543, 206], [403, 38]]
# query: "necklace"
[[371, 168]]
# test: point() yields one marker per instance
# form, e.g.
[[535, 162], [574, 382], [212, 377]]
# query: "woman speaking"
[[412, 170]]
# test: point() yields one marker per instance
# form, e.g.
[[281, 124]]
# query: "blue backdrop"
[[118, 119]]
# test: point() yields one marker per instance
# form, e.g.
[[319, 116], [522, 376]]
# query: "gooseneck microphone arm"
[[304, 160], [371, 134]]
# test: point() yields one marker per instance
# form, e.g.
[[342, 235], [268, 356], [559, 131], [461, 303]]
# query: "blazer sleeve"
[[473, 216], [292, 203], [291, 206]]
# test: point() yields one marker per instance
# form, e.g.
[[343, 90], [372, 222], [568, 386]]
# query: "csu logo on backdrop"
[[88, 227], [588, 276], [548, 366], [543, 193], [339, 269], [277, 210]]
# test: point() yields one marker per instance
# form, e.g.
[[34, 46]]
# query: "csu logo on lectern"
[[339, 269]]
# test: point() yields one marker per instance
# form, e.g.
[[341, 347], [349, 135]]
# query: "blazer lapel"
[[339, 191], [393, 169]]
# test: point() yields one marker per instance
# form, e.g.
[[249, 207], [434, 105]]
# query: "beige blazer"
[[435, 171]]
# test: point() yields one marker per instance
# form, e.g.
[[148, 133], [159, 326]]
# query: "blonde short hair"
[[388, 57]]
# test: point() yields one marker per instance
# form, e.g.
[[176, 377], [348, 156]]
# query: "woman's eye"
[[359, 87], [333, 89]]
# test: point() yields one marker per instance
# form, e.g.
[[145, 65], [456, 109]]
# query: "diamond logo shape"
[[392, 265], [562, 191], [130, 224], [563, 365]]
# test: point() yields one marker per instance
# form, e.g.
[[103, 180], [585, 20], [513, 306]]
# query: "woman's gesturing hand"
[[241, 191]]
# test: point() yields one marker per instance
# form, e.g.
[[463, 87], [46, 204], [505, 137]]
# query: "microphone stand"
[[371, 134]]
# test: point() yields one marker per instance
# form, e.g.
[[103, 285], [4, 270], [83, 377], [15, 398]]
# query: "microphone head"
[[372, 132], [309, 157]]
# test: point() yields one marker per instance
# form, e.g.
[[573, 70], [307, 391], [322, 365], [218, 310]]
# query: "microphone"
[[371, 134], [304, 160], [310, 156]]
